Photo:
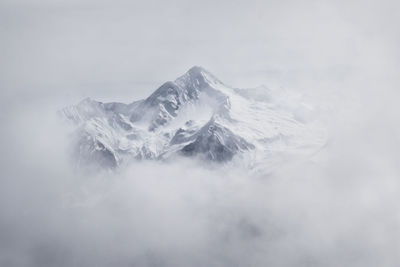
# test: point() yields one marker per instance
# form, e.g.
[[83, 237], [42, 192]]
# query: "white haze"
[[338, 207]]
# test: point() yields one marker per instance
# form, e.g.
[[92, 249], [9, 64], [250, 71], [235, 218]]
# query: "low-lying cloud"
[[336, 208]]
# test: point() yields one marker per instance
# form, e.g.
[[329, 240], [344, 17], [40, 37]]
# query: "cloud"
[[336, 208]]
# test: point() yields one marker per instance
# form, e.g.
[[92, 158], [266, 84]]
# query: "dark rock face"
[[216, 143]]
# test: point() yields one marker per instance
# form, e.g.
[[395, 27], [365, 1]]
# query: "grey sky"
[[123, 50], [339, 208]]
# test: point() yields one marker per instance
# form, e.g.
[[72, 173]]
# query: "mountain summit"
[[194, 116]]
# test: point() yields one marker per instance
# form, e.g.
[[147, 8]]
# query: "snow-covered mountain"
[[195, 116]]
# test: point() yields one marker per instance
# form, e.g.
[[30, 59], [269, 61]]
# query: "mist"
[[337, 207]]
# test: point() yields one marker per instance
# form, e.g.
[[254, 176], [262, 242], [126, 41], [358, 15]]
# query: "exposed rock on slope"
[[196, 115]]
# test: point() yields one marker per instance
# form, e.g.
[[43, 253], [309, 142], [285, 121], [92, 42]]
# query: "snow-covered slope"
[[198, 116]]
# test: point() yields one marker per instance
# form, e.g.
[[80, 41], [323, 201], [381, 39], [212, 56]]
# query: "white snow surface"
[[199, 116]]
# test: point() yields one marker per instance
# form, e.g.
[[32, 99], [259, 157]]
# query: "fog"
[[338, 207]]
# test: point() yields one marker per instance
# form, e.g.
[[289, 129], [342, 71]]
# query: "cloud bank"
[[335, 208]]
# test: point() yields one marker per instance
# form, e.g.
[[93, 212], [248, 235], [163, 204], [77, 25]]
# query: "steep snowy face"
[[195, 116], [167, 101]]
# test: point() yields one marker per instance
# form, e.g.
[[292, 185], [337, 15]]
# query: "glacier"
[[195, 116]]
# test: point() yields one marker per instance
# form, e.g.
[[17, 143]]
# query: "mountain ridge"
[[196, 115]]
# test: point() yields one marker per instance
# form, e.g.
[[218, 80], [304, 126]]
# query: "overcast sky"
[[123, 50], [339, 208]]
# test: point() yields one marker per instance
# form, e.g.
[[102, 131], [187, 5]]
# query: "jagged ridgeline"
[[194, 116]]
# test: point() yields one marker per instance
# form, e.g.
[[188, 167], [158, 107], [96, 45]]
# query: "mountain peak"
[[196, 70], [195, 115], [198, 75]]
